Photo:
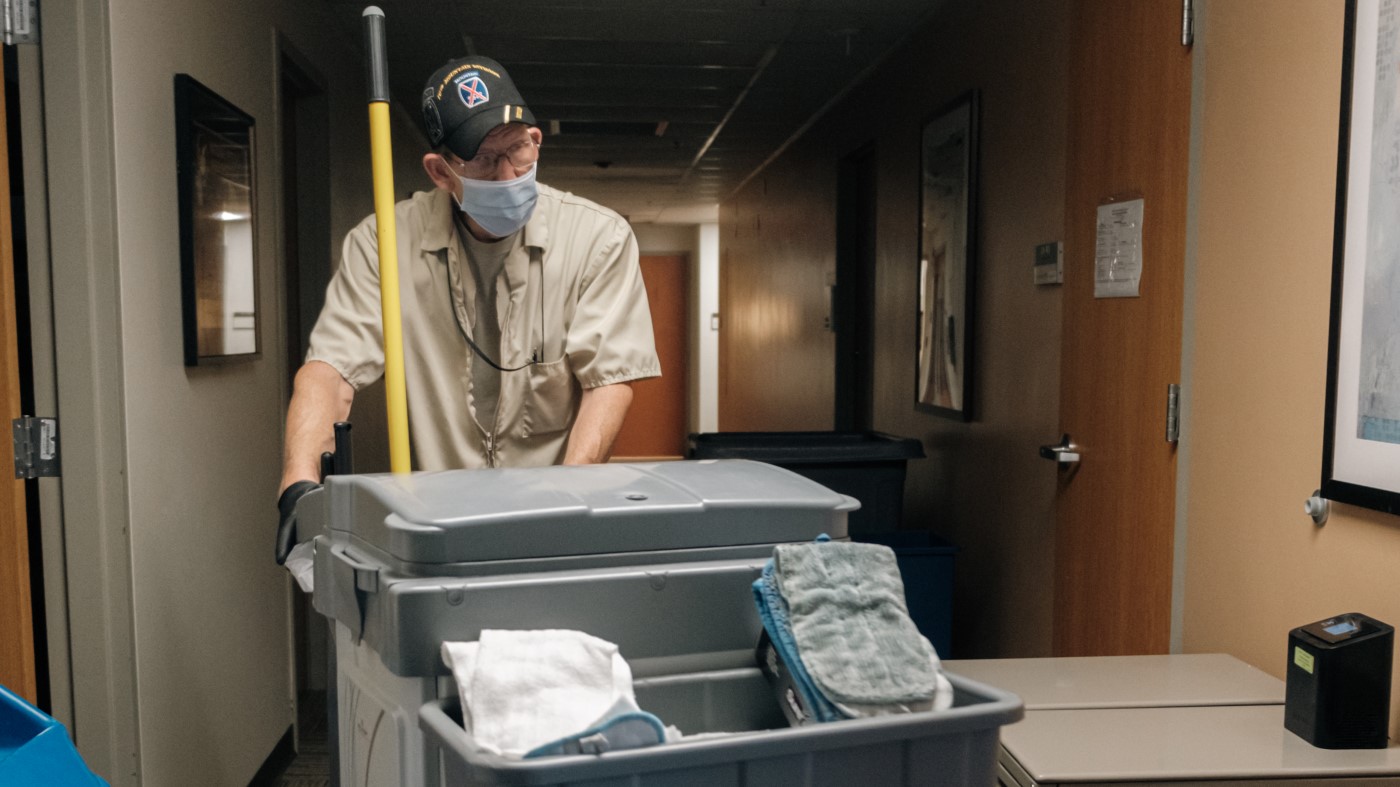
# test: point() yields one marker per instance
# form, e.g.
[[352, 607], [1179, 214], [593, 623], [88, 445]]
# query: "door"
[[17, 663], [655, 426], [1129, 121]]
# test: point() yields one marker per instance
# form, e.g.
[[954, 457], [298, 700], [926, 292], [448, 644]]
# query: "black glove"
[[287, 527]]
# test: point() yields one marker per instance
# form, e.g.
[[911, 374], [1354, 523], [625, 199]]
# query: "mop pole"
[[395, 394]]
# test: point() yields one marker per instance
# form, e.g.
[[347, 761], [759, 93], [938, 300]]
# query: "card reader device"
[[1338, 683]]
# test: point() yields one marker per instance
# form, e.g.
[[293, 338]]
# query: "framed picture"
[[218, 242], [947, 259], [1361, 449]]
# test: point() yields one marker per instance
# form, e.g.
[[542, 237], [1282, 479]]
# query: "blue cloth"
[[773, 611], [630, 729]]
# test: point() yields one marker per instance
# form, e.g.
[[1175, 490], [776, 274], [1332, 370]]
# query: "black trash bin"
[[869, 466]]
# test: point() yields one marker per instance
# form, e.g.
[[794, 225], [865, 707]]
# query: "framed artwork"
[[218, 242], [947, 259], [1361, 449]]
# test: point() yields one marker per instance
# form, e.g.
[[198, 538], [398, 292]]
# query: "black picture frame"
[[947, 260], [1361, 443], [214, 151]]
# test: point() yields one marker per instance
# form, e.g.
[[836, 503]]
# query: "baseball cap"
[[465, 99]]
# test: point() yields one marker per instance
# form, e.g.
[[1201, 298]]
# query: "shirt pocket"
[[552, 399]]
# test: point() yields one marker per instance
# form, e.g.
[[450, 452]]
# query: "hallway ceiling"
[[657, 109]]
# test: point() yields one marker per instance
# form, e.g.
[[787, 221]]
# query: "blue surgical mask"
[[500, 206]]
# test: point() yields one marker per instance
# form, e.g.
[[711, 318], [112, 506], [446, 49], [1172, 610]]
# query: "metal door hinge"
[[36, 447], [1188, 23], [21, 21], [1173, 412]]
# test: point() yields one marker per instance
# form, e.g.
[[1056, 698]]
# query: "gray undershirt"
[[486, 261]]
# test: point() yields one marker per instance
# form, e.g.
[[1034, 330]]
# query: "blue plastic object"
[[35, 749], [926, 563]]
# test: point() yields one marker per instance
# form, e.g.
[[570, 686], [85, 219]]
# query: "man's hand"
[[600, 416], [287, 508]]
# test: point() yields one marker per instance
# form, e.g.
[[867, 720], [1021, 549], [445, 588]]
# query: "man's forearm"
[[320, 397], [600, 417]]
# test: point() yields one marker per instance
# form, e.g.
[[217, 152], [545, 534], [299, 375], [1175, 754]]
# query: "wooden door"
[[655, 425], [1130, 97], [16, 610]]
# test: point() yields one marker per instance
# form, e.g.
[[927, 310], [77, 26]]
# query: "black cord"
[[535, 355]]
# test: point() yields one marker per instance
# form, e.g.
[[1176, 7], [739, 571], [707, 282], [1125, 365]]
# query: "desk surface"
[[1162, 744], [1126, 681]]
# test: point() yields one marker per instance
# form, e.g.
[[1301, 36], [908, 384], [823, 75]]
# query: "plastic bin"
[[35, 749], [953, 747], [656, 558], [926, 563], [869, 466]]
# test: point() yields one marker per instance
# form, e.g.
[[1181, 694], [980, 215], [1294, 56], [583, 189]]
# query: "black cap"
[[465, 99]]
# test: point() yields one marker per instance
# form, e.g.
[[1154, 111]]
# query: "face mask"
[[500, 206]]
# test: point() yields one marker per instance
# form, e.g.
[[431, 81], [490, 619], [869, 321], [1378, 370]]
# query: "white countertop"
[[1177, 743], [1126, 681]]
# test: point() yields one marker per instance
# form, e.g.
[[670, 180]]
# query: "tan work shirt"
[[588, 326]]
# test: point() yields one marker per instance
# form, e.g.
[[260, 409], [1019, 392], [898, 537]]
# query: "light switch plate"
[[1050, 263]]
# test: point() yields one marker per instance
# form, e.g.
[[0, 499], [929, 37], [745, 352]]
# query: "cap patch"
[[473, 91]]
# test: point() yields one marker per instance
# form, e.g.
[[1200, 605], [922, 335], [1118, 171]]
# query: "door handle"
[[1064, 453]]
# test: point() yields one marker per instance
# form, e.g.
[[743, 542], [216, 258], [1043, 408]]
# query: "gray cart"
[[950, 748], [657, 558]]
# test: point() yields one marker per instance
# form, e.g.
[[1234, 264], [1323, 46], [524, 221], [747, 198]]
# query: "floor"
[[312, 766]]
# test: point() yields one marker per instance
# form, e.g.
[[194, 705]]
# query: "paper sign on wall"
[[1118, 250]]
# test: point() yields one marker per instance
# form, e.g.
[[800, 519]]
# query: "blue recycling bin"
[[35, 749]]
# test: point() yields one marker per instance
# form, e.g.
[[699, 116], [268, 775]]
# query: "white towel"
[[521, 689]]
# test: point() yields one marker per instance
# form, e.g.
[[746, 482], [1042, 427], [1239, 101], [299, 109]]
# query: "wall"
[[777, 244], [203, 445], [1256, 566]]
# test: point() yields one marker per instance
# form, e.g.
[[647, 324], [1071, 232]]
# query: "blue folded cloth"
[[623, 726], [851, 627], [773, 611]]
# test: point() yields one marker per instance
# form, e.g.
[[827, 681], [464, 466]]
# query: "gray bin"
[[953, 747], [657, 558]]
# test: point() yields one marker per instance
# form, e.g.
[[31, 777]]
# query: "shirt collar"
[[437, 233]]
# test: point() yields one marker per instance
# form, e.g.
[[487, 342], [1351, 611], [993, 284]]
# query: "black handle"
[[376, 55]]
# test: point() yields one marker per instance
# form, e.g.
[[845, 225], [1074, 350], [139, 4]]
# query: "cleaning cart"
[[657, 558]]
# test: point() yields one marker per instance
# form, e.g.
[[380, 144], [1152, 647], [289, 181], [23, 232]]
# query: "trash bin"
[[926, 564], [957, 746], [657, 558], [869, 466], [35, 749]]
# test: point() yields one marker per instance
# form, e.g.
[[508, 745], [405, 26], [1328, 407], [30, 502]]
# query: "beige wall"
[[983, 485], [203, 445], [1256, 566]]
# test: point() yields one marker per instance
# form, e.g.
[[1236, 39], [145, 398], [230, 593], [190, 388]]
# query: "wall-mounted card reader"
[[1338, 688]]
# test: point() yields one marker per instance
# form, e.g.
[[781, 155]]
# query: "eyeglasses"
[[522, 155]]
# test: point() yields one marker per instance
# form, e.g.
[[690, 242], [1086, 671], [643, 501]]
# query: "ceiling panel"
[[734, 78]]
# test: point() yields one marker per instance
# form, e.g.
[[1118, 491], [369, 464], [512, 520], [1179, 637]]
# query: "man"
[[524, 314]]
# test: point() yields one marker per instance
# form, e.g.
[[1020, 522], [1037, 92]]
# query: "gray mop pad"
[[851, 624]]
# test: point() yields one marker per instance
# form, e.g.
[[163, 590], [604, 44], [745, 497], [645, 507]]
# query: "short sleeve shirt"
[[570, 298]]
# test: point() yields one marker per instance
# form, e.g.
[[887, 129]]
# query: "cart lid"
[[459, 516]]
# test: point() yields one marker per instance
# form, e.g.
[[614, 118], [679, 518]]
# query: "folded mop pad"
[[528, 690], [852, 629], [773, 611]]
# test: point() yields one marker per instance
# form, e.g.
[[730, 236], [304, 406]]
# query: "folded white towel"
[[521, 689]]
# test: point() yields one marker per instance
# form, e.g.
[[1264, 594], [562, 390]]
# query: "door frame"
[[853, 297], [88, 392]]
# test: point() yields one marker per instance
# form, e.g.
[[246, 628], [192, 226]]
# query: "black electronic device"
[[1338, 688]]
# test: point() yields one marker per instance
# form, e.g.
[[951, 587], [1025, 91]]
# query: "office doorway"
[[306, 254], [655, 427]]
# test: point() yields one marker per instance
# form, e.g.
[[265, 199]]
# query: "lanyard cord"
[[536, 355]]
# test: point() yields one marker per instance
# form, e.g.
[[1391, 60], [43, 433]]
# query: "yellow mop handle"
[[395, 390]]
